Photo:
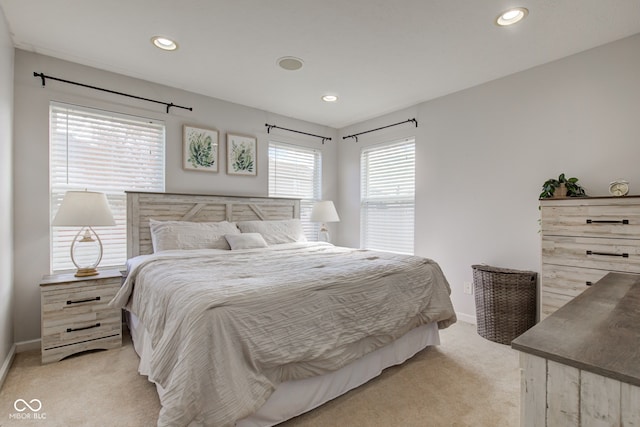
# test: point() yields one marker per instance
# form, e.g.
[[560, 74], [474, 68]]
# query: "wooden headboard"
[[197, 208]]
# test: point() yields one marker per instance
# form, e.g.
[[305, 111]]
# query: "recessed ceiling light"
[[290, 63], [329, 98], [512, 16], [164, 43]]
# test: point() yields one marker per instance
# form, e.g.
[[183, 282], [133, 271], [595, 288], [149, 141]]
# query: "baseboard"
[[23, 346], [6, 365], [466, 318]]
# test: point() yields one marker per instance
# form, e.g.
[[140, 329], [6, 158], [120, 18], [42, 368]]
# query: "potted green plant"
[[562, 187]]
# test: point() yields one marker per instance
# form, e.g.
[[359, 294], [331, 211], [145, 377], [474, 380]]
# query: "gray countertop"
[[598, 331]]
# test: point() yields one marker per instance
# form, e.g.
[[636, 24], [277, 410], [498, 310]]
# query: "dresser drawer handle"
[[624, 255], [605, 221], [588, 283], [83, 300], [97, 325]]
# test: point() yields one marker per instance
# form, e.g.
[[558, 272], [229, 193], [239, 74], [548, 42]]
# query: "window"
[[101, 151], [388, 197], [295, 171]]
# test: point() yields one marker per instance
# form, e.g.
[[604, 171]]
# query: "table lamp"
[[85, 209], [324, 211]]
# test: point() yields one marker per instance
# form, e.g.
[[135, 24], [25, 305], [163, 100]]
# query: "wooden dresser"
[[582, 240]]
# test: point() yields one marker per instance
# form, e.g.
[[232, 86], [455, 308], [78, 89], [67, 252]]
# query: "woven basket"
[[505, 302]]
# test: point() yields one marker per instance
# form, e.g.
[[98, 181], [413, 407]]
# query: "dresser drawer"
[[560, 284], [571, 281], [621, 255], [609, 221]]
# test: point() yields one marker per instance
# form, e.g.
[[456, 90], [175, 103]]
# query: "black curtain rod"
[[355, 135], [323, 138], [168, 104]]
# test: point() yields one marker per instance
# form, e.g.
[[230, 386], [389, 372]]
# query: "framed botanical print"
[[200, 149], [242, 156]]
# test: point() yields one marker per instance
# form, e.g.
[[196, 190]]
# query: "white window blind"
[[101, 151], [388, 197], [295, 171]]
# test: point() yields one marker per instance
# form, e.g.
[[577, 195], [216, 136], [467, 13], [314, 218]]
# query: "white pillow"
[[275, 232], [246, 241], [167, 235]]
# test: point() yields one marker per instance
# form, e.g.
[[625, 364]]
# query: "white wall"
[[31, 175], [6, 201], [482, 155]]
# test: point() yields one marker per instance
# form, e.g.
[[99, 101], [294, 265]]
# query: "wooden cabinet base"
[[554, 395], [581, 365], [56, 354]]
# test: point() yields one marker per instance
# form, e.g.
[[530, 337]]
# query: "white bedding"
[[229, 327], [293, 398]]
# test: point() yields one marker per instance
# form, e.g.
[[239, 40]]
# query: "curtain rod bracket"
[[42, 77]]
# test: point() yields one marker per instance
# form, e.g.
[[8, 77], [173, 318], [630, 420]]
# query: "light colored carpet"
[[466, 381]]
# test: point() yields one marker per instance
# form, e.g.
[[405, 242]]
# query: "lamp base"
[[84, 272], [88, 251], [323, 234]]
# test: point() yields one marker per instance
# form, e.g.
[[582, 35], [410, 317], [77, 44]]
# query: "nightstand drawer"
[[64, 330], [77, 301]]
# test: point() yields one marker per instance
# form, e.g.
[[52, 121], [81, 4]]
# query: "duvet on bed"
[[227, 326]]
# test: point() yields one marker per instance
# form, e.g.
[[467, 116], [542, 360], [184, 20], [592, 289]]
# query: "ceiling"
[[378, 56]]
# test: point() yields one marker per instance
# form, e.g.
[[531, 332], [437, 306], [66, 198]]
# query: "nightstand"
[[76, 316]]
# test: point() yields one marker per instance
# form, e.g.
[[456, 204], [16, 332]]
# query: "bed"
[[269, 326]]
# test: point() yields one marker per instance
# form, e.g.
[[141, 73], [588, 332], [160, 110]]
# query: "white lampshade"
[[84, 208], [324, 211]]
